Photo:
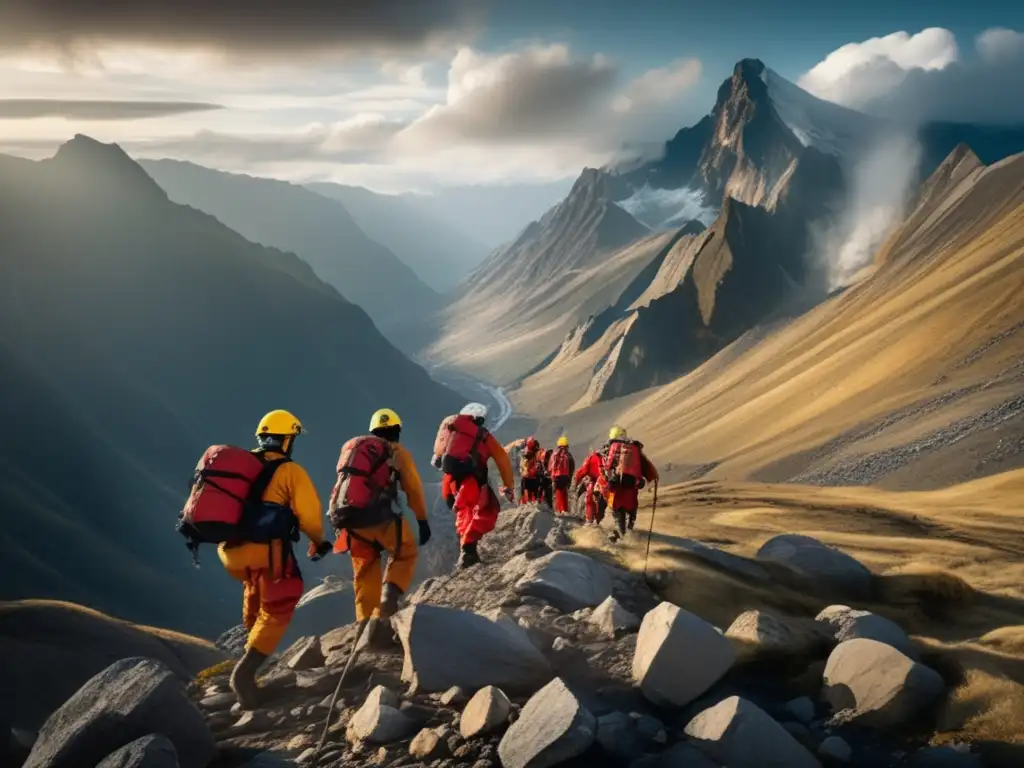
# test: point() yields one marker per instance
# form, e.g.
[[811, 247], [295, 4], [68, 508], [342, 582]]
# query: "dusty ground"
[[949, 568]]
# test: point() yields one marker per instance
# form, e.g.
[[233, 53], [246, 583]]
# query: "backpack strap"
[[262, 482]]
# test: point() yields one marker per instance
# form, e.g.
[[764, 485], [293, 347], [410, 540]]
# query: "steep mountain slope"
[[137, 332], [321, 231], [439, 252], [912, 378], [518, 305]]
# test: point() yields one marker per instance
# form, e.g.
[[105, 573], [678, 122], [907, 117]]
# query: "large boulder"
[[327, 606], [818, 563], [129, 700], [765, 632], [877, 685], [738, 733], [306, 653], [379, 721], [52, 649], [844, 623], [678, 656], [567, 580], [446, 647], [520, 530], [153, 751], [553, 727]]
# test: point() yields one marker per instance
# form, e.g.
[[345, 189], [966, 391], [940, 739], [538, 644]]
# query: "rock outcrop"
[[821, 565], [553, 727]]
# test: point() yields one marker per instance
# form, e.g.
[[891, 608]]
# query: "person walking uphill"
[[462, 449], [589, 478], [561, 466], [364, 512], [626, 470], [531, 471], [254, 504]]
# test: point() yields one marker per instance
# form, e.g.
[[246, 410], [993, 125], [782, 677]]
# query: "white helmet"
[[476, 410]]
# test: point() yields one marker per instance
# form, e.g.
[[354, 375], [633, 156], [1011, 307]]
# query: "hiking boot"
[[469, 556], [630, 522], [379, 636], [390, 596], [243, 679]]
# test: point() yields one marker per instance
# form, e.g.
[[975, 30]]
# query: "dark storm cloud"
[[88, 109], [237, 25]]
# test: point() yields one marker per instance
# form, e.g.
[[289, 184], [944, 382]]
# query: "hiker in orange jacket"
[[531, 470], [462, 450], [626, 470], [271, 581], [369, 523], [589, 477], [560, 469]]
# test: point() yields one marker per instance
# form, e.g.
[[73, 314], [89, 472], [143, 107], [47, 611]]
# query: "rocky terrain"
[[546, 656]]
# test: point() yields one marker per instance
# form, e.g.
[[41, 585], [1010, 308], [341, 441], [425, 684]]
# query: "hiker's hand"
[[435, 461], [318, 551], [424, 532], [507, 493]]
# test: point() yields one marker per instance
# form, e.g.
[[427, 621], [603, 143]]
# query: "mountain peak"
[[749, 68], [96, 163]]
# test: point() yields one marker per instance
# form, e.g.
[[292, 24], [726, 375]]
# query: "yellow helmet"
[[279, 423], [385, 418], [616, 433], [563, 442]]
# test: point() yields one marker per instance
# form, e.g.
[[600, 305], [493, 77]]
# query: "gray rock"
[[217, 702], [740, 566], [553, 727], [488, 709], [802, 709], [798, 731], [378, 721], [270, 760], [844, 623], [561, 644], [454, 696], [649, 728], [819, 563], [617, 735], [764, 631], [488, 653], [306, 654], [567, 580], [738, 733], [835, 749], [678, 656], [878, 685], [129, 700], [958, 756], [153, 751], [428, 745], [611, 618]]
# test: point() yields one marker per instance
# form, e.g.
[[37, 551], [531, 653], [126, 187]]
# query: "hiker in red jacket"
[[589, 478], [462, 448], [626, 470], [561, 466], [531, 470]]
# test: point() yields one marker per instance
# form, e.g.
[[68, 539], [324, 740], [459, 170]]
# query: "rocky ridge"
[[542, 656]]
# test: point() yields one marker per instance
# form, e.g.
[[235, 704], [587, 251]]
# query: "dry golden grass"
[[948, 566]]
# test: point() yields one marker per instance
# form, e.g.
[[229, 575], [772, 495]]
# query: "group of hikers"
[[255, 504]]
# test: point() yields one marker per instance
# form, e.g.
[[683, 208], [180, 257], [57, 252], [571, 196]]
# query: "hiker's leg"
[[401, 563], [366, 577], [485, 516], [278, 598]]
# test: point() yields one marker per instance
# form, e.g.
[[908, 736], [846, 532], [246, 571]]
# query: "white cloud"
[[924, 77], [539, 112]]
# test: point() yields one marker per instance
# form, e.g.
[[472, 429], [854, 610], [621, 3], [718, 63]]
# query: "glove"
[[507, 493], [318, 551], [424, 532], [435, 461]]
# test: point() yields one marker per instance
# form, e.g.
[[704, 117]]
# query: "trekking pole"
[[650, 530], [337, 690]]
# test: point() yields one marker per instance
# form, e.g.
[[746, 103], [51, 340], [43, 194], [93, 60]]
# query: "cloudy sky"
[[412, 94]]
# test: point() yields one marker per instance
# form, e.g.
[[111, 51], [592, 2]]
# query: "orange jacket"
[[409, 479], [501, 461]]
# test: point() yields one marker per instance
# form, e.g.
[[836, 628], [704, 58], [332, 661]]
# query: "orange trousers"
[[476, 510], [595, 505], [269, 596], [366, 546]]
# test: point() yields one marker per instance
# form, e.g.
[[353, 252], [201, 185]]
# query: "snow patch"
[[667, 208], [823, 125]]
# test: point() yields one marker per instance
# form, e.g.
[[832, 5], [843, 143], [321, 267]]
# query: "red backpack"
[[560, 463], [462, 446], [623, 464], [226, 500], [367, 483]]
